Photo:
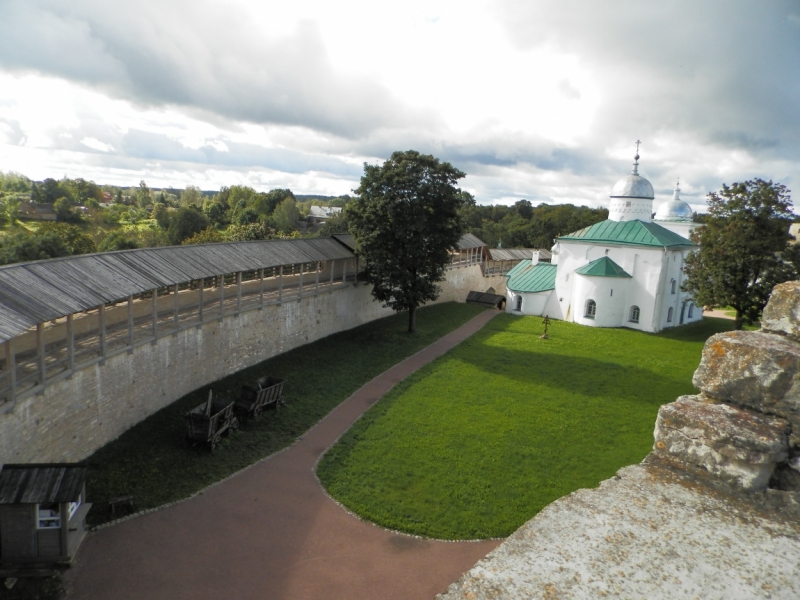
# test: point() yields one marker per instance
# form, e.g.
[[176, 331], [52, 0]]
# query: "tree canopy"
[[743, 250], [405, 221]]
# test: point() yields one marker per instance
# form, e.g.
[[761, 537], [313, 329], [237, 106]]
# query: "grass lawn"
[[152, 461], [479, 441]]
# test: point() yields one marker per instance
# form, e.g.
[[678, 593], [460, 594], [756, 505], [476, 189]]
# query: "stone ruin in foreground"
[[712, 512]]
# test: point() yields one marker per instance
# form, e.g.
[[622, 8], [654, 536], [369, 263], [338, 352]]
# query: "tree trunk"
[[412, 320], [738, 320]]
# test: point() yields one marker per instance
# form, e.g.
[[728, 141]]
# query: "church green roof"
[[602, 267], [632, 233], [526, 277]]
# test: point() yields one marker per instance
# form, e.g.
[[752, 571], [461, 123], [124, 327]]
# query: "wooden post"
[[70, 344], [11, 367], [221, 296], [40, 352], [238, 292], [130, 321], [344, 271], [300, 287], [200, 305], [155, 314], [175, 305], [355, 275], [101, 313], [280, 284], [333, 265], [316, 281], [261, 291]]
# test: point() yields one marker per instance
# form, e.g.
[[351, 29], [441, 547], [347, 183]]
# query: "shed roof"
[[485, 299], [346, 239], [633, 233], [44, 290], [527, 277], [602, 267], [37, 483]]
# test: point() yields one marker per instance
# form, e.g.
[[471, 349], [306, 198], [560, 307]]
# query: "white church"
[[625, 271]]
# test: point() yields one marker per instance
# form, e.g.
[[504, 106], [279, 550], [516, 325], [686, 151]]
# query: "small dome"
[[675, 209], [633, 186]]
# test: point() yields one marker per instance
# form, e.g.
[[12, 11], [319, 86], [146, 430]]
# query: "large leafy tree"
[[405, 222], [743, 250]]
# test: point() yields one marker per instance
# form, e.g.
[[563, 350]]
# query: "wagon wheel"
[[257, 412], [215, 440], [234, 424]]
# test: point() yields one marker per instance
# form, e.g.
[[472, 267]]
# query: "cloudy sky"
[[536, 99]]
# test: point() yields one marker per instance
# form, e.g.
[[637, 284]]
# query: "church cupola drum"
[[632, 196]]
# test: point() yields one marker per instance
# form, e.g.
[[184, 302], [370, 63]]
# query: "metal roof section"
[[39, 483], [39, 291], [469, 241], [602, 267], [526, 277], [629, 233]]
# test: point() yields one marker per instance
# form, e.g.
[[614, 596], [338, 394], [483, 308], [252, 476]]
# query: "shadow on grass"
[[152, 461], [579, 375]]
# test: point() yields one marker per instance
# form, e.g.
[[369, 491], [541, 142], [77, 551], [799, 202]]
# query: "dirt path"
[[270, 532]]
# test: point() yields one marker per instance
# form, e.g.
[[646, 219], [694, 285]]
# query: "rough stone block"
[[782, 312], [735, 445], [753, 370]]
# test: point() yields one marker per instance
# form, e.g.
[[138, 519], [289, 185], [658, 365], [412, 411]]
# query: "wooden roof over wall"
[[40, 291], [39, 483]]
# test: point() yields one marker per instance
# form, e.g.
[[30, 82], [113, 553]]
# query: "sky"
[[536, 99]]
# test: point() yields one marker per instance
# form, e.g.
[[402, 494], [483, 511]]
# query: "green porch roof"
[[602, 267], [632, 233], [526, 277]]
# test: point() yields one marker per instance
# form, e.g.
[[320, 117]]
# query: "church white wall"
[[610, 296], [532, 304], [650, 269], [683, 229]]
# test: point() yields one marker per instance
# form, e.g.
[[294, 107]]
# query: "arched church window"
[[672, 285], [691, 309], [634, 314], [518, 303], [669, 315], [591, 309]]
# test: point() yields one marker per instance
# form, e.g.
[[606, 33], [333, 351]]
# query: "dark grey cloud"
[[196, 54], [726, 72]]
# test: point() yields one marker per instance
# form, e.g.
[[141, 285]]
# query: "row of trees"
[[407, 216]]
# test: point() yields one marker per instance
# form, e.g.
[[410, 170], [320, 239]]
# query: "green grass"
[[479, 441], [152, 461]]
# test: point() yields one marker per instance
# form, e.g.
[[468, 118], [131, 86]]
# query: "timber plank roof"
[[526, 277], [39, 291], [40, 483], [470, 241], [631, 233]]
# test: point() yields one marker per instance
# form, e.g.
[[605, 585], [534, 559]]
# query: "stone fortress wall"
[[74, 416], [712, 512]]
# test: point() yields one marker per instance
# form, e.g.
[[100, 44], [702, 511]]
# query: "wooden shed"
[[42, 512]]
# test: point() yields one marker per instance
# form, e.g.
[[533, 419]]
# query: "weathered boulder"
[[753, 370], [782, 312], [734, 445]]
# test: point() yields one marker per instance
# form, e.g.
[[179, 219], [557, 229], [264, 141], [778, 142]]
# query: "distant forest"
[[52, 218]]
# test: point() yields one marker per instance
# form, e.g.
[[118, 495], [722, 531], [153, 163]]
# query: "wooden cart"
[[210, 420], [267, 393]]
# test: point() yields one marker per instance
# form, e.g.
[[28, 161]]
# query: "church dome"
[[633, 186], [675, 209]]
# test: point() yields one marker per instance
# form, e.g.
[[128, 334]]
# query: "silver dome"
[[675, 209], [633, 186]]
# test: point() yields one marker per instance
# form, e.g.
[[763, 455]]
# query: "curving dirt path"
[[270, 532]]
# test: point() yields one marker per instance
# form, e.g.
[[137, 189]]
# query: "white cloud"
[[537, 100]]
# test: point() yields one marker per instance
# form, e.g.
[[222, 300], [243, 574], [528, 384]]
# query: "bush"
[[187, 222], [117, 240]]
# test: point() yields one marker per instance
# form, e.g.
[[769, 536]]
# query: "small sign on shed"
[[42, 512]]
